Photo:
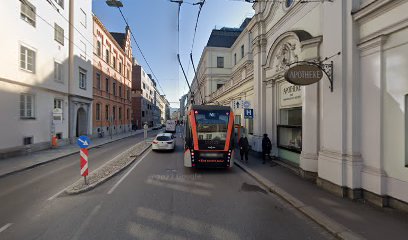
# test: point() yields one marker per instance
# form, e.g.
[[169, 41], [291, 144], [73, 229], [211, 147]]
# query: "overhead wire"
[[140, 50]]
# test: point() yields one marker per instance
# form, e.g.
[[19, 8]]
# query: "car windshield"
[[163, 138]]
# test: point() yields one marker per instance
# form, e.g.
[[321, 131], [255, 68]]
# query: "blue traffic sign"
[[248, 113], [246, 104], [83, 142]]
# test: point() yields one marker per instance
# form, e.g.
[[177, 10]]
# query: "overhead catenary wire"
[[140, 50]]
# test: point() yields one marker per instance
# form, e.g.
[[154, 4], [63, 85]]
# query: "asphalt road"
[[155, 198]]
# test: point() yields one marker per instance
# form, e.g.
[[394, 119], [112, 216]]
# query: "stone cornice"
[[374, 9]]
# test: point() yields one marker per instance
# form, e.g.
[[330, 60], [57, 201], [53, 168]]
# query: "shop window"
[[28, 140], [58, 135], [290, 129], [406, 130], [250, 126], [237, 119]]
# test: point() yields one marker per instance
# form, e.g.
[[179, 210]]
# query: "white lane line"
[[56, 195], [128, 172], [2, 229]]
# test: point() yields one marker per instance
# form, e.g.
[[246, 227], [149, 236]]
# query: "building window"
[[58, 72], [58, 103], [220, 62], [406, 130], [107, 112], [235, 59], [120, 90], [98, 111], [120, 113], [28, 140], [83, 18], [98, 81], [27, 59], [83, 50], [60, 2], [288, 3], [107, 85], [242, 51], [128, 94], [120, 67], [289, 133], [143, 113], [107, 56], [127, 73], [128, 114], [237, 119], [28, 12], [58, 135], [114, 62], [219, 85], [82, 78], [58, 34], [27, 106], [144, 86], [114, 113], [250, 126], [98, 48], [114, 88]]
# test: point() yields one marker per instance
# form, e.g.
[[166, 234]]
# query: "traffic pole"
[[84, 163]]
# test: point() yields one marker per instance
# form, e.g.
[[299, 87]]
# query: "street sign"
[[83, 142], [236, 104], [246, 104], [84, 162], [248, 113]]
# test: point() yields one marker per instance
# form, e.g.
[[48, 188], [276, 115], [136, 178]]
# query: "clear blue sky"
[[154, 24]]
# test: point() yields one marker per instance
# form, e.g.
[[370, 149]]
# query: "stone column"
[[259, 55]]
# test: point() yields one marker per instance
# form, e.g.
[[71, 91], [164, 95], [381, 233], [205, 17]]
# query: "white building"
[[34, 78], [351, 138]]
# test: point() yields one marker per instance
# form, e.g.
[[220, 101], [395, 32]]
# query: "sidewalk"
[[20, 163], [345, 218]]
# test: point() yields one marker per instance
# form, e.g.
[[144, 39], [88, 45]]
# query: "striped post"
[[84, 162]]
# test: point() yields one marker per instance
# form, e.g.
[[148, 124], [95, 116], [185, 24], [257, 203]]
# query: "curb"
[[337, 229], [59, 157], [103, 180]]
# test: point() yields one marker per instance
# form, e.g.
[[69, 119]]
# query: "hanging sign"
[[303, 74]]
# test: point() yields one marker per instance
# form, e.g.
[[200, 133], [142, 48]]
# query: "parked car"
[[164, 141]]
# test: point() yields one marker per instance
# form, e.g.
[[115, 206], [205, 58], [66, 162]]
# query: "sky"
[[154, 25]]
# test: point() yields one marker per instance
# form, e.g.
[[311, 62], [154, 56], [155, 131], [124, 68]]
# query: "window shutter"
[[22, 106]]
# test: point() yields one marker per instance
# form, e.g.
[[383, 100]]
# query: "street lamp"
[[114, 3]]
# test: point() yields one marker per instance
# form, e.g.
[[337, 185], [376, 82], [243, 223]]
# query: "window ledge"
[[27, 118]]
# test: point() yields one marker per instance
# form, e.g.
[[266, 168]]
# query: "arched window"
[[289, 3]]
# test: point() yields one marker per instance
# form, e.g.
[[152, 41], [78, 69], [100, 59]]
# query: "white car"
[[163, 141]]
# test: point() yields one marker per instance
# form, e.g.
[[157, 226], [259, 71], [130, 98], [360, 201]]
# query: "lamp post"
[[114, 3]]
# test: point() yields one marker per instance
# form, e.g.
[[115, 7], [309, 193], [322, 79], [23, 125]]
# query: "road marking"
[[56, 195], [2, 229], [128, 172]]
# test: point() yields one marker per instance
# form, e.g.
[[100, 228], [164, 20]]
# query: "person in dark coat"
[[266, 147], [243, 147]]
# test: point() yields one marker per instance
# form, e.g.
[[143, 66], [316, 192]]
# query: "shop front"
[[289, 125]]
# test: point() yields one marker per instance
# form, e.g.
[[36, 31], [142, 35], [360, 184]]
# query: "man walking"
[[266, 147], [243, 147]]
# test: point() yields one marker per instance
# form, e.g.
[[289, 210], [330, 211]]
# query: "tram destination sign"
[[303, 74]]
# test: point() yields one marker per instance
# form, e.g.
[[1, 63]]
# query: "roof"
[[120, 38], [225, 37]]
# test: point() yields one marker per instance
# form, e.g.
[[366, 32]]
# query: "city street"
[[155, 198]]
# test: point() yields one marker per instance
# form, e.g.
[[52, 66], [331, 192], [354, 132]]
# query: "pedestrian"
[[243, 147], [266, 147]]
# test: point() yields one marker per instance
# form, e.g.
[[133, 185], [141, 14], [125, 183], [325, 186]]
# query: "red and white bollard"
[[84, 162]]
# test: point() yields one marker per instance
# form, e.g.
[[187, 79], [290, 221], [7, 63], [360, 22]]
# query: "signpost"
[[84, 142]]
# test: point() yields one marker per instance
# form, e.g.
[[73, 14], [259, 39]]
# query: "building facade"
[[348, 131], [143, 98], [111, 81], [44, 66]]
